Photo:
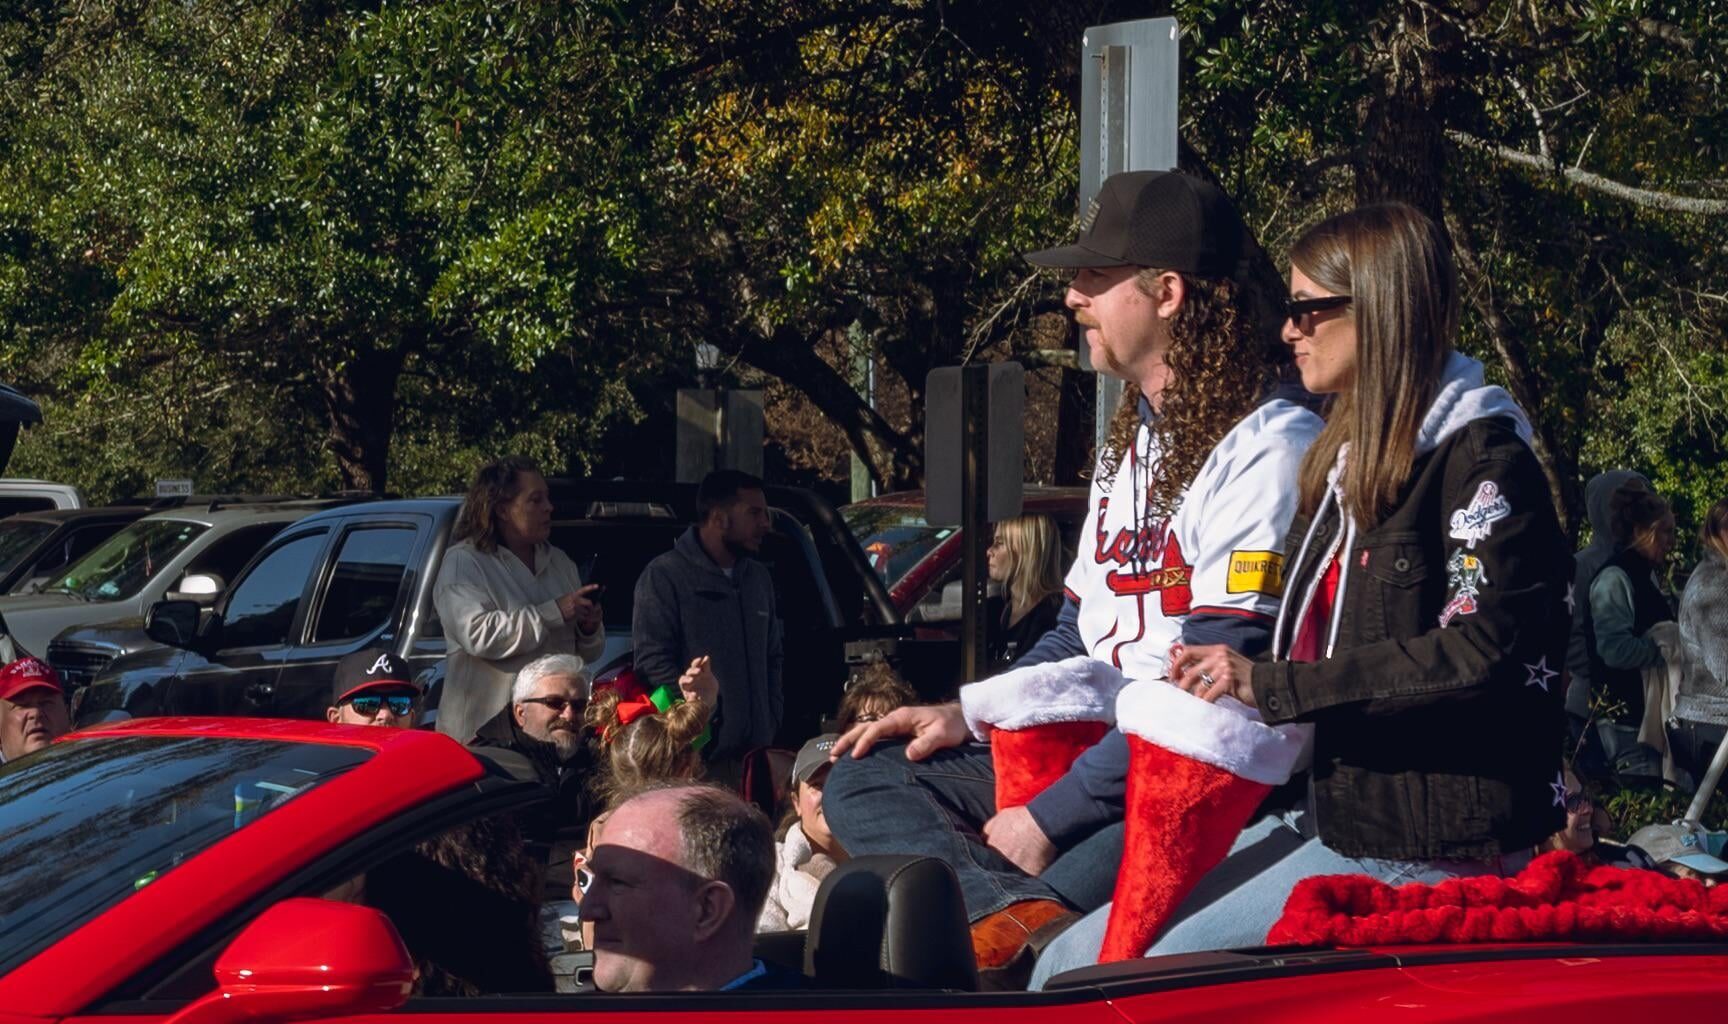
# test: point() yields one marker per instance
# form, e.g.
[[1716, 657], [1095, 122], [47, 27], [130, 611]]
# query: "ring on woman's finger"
[[1206, 677]]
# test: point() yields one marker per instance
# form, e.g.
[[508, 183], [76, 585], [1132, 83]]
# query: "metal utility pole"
[[1127, 123]]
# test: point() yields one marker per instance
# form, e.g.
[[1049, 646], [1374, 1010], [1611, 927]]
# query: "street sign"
[[1127, 123], [174, 488]]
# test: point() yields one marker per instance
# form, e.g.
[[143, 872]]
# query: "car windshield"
[[126, 561], [18, 537], [894, 538], [127, 811]]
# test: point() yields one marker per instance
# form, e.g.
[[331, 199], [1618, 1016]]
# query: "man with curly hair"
[[1193, 492]]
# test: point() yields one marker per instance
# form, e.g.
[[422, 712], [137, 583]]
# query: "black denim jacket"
[[1437, 741]]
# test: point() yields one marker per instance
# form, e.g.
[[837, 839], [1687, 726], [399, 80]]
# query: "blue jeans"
[[1239, 901], [884, 804]]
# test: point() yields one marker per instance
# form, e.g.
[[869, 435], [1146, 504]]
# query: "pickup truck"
[[349, 578]]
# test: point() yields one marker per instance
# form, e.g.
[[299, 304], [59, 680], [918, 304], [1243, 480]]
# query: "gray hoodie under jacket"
[[685, 607]]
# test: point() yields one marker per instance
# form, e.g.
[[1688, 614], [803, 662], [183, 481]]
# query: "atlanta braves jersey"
[[1136, 579]]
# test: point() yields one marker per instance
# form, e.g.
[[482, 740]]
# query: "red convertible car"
[[171, 870]]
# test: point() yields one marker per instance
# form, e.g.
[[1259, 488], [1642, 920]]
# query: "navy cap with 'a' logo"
[[373, 668]]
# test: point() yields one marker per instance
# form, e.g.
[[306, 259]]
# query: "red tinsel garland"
[[1558, 897]]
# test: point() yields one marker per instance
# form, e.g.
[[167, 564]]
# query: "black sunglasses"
[[1296, 309], [556, 705], [369, 704]]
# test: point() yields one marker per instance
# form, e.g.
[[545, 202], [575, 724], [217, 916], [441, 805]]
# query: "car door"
[[356, 604], [236, 671]]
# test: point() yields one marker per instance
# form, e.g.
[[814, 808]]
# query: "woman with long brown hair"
[[506, 595], [1423, 617]]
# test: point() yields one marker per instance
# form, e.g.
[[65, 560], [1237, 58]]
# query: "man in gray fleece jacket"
[[708, 596]]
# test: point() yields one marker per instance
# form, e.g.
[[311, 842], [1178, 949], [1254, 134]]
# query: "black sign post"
[[975, 453]]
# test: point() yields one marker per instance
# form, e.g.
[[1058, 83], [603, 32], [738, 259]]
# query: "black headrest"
[[890, 922]]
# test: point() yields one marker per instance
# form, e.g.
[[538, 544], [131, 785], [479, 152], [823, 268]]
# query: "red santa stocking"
[[1196, 773], [1038, 719]]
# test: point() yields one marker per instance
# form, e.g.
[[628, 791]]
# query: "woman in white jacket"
[[506, 596], [807, 851]]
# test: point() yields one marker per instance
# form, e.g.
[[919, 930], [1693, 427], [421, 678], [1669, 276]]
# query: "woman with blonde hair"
[[1025, 558], [506, 596]]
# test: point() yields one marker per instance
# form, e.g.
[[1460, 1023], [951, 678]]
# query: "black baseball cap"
[[373, 668], [1163, 219]]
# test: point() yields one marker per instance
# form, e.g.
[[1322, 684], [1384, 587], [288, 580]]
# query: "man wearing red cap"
[[32, 708], [374, 687]]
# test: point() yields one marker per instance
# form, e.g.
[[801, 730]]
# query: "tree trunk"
[[1402, 155], [360, 404], [1558, 464]]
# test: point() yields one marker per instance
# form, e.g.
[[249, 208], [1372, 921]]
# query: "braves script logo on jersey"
[[1476, 521], [1149, 560]]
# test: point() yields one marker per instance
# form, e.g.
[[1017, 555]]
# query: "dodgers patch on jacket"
[[1475, 522]]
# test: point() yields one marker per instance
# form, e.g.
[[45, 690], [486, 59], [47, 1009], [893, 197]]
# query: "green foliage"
[[1633, 807], [401, 236]]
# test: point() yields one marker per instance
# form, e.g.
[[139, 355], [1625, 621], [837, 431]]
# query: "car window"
[[226, 556], [13, 505], [261, 608], [894, 538], [121, 565], [363, 586], [18, 537], [127, 811], [74, 545]]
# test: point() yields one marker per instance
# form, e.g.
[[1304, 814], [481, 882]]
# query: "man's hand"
[[932, 728], [1014, 834], [1213, 671], [698, 683], [582, 606]]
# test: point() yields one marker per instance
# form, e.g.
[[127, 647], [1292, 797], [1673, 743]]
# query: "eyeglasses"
[[1296, 309], [368, 705], [556, 705]]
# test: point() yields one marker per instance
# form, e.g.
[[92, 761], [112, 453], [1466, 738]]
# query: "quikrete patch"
[[1256, 572]]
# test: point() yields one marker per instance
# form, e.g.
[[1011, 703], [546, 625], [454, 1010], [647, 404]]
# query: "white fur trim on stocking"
[[1078, 689], [1227, 734]]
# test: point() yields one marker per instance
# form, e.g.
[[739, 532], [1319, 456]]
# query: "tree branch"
[[1595, 182]]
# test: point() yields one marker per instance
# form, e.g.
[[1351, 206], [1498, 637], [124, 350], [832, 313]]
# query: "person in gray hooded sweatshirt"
[[1424, 611], [708, 596]]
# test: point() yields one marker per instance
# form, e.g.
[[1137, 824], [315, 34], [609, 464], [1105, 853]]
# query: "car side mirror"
[[201, 588], [174, 623], [307, 959]]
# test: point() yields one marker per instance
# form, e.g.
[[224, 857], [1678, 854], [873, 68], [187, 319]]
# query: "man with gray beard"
[[543, 723]]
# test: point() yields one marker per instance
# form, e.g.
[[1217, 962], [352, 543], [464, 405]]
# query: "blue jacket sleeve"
[[1249, 635], [1062, 641], [1091, 795]]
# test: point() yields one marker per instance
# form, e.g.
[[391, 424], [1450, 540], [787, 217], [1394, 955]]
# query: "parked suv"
[[350, 578], [335, 582], [191, 551]]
